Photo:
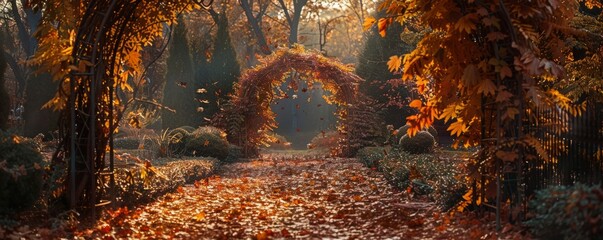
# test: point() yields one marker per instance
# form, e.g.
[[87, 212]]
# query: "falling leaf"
[[201, 90], [200, 109], [182, 84]]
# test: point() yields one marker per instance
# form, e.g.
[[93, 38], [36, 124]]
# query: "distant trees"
[[179, 90], [4, 98], [37, 89]]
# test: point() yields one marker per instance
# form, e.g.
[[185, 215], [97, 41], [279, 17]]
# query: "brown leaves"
[[466, 23]]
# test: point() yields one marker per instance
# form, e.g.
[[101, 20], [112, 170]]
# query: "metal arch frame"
[[82, 143]]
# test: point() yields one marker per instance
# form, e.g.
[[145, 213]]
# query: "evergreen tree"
[[372, 67], [179, 90], [218, 74]]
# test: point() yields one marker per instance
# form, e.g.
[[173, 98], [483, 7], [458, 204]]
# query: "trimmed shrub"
[[148, 181], [21, 173], [563, 212], [207, 142], [370, 156], [434, 133], [402, 131], [425, 174], [234, 153], [423, 142]]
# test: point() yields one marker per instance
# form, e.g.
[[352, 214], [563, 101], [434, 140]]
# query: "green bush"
[[370, 156], [434, 133], [404, 129], [426, 175], [564, 212], [126, 143], [21, 170], [234, 153], [423, 142], [207, 142], [399, 133]]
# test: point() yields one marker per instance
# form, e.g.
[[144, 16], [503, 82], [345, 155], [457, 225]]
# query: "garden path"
[[280, 197]]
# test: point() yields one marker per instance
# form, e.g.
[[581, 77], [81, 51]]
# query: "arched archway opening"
[[248, 117]]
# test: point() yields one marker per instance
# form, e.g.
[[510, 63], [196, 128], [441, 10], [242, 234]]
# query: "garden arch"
[[98, 46], [248, 118]]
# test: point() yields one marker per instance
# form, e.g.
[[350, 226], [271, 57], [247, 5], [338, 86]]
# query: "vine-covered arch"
[[248, 118]]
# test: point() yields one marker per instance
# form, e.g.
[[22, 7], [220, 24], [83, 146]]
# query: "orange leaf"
[[394, 63], [457, 128], [199, 217], [383, 24], [470, 75], [416, 104], [368, 23], [486, 87], [449, 112], [505, 71], [466, 23], [503, 96]]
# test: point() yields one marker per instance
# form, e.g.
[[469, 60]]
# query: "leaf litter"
[[275, 197]]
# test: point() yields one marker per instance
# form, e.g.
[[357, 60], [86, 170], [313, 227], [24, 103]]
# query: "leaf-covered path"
[[284, 198]]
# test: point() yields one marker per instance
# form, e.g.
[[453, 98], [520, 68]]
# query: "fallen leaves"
[[279, 197]]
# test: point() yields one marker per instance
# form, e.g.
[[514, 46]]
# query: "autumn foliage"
[[484, 67], [248, 118]]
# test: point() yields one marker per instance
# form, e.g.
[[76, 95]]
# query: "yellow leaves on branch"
[[450, 112], [425, 118], [457, 128]]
